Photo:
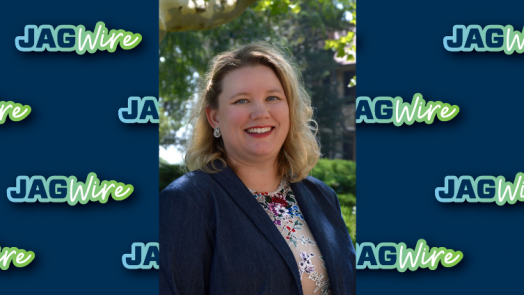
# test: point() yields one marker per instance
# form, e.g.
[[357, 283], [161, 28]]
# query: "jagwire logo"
[[491, 38], [399, 256], [75, 38]]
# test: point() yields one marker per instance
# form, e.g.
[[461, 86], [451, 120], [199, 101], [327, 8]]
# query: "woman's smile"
[[259, 131]]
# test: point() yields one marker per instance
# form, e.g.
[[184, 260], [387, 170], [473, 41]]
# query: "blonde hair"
[[300, 151]]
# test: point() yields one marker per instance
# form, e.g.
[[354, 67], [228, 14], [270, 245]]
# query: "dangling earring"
[[216, 133]]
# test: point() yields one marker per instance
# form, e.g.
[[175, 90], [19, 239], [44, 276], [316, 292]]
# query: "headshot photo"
[[247, 218], [257, 150]]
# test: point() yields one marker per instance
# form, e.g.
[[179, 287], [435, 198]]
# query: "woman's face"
[[253, 115]]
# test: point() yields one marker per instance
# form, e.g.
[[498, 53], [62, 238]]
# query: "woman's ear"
[[212, 117]]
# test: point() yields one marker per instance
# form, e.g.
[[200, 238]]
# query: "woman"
[[248, 219]]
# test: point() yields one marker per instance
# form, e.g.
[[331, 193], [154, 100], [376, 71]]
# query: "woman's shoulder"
[[191, 192], [314, 183], [188, 181], [195, 184], [318, 188], [188, 198]]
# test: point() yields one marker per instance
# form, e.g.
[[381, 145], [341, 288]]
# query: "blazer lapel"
[[325, 233], [230, 182]]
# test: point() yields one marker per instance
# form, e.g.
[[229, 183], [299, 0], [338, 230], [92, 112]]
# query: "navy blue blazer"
[[215, 238]]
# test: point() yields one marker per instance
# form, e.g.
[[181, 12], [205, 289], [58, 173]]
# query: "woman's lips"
[[263, 133]]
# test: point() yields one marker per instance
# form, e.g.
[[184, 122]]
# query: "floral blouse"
[[282, 208]]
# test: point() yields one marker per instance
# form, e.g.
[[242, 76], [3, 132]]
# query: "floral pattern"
[[282, 208]]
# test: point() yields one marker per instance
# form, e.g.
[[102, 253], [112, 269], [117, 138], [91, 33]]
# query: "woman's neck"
[[258, 177]]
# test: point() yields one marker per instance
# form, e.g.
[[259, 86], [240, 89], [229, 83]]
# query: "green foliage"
[[353, 82], [168, 172], [338, 174], [343, 43], [278, 7], [350, 217]]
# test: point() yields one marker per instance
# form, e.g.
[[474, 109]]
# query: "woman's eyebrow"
[[239, 94], [275, 90], [243, 93]]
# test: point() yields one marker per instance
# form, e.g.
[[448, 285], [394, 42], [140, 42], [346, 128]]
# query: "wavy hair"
[[300, 151]]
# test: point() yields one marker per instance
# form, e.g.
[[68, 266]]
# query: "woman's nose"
[[259, 111]]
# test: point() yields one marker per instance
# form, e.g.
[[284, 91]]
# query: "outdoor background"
[[318, 34]]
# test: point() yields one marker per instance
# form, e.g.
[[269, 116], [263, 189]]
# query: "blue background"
[[73, 130], [400, 53]]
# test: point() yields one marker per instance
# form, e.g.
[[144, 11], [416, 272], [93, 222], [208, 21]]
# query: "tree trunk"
[[183, 15]]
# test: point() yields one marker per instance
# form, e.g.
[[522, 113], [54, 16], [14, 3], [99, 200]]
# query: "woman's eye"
[[241, 101], [272, 98]]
